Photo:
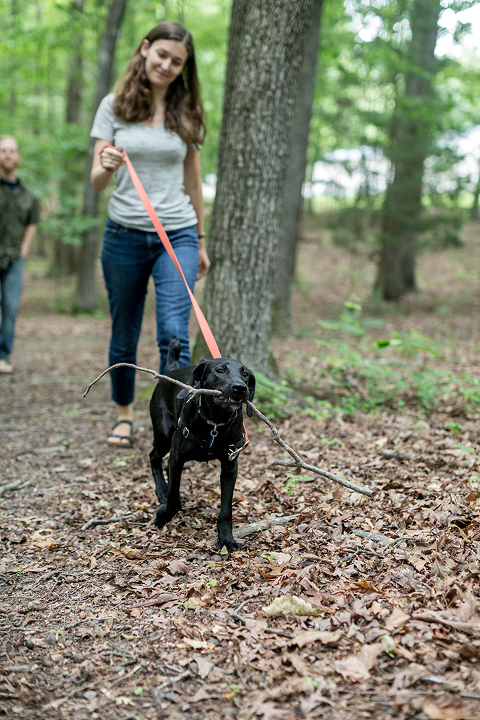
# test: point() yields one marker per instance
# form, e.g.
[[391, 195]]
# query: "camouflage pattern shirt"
[[18, 208]]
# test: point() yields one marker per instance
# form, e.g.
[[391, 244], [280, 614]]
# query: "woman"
[[156, 114]]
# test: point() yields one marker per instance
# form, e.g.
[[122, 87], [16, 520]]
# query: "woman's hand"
[[111, 158], [106, 159], [203, 263]]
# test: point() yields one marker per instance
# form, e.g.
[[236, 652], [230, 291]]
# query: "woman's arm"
[[102, 172], [193, 187]]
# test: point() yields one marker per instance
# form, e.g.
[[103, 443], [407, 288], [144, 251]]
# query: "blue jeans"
[[11, 283], [129, 257]]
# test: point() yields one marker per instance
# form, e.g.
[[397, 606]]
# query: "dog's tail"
[[173, 355]]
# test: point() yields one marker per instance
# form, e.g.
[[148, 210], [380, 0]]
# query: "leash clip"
[[235, 451]]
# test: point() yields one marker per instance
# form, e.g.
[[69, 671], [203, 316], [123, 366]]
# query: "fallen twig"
[[454, 624], [161, 600], [14, 485], [299, 462], [93, 521], [357, 552], [193, 392], [258, 526], [378, 537]]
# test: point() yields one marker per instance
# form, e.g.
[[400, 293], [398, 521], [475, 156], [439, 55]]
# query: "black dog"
[[205, 428]]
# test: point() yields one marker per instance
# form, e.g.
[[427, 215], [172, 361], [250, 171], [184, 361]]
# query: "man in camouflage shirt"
[[18, 218]]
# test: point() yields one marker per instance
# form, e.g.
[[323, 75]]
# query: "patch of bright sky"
[[371, 26], [470, 44]]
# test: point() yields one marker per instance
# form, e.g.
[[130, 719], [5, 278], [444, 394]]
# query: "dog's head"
[[234, 380]]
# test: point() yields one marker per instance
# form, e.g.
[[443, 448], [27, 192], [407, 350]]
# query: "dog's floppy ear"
[[251, 391], [199, 373]]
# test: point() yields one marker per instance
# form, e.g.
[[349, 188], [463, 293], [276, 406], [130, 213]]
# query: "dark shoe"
[[120, 441]]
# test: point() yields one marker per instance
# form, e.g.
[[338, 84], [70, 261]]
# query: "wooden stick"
[[299, 462], [193, 392], [92, 522]]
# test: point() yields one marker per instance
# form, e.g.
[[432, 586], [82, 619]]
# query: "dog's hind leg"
[[161, 487], [173, 504], [228, 477]]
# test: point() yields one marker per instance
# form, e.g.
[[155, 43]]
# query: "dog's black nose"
[[239, 389]]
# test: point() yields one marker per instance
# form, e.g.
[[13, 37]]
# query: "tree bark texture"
[[266, 46], [75, 70], [292, 206], [410, 142], [86, 297], [65, 256]]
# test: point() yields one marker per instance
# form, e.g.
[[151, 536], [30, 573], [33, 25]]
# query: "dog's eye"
[[220, 370], [244, 374]]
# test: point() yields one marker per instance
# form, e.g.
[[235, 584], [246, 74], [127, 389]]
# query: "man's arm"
[[27, 240]]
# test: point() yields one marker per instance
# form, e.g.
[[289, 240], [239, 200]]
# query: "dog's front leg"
[[167, 510], [228, 477]]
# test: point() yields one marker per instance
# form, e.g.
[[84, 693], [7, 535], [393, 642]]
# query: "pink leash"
[[204, 326]]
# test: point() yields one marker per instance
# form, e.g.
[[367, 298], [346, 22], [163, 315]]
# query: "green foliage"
[[293, 481], [271, 397], [368, 375]]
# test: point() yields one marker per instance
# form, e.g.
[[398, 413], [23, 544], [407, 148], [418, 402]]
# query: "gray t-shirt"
[[157, 155]]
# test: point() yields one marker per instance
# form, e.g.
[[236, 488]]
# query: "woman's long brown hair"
[[184, 110]]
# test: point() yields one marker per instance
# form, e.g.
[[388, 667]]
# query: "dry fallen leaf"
[[311, 636], [132, 553], [178, 567], [397, 619], [451, 710], [356, 667], [204, 666], [198, 644], [290, 604]]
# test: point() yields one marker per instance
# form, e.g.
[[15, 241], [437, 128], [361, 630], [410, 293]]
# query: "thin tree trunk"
[[267, 42], [292, 208], [65, 255], [75, 71], [410, 140], [86, 297], [474, 213]]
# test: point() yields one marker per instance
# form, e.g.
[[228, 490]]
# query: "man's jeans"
[[11, 284], [129, 257]]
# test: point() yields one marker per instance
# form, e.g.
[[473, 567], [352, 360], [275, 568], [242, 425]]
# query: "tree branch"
[[299, 462], [193, 392], [93, 521]]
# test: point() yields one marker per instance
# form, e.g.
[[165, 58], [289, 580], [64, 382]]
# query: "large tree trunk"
[[292, 206], [86, 298], [266, 47], [411, 136]]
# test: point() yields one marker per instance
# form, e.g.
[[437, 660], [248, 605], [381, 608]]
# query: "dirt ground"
[[120, 620]]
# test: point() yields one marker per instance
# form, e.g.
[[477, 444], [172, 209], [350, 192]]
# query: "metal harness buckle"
[[234, 451]]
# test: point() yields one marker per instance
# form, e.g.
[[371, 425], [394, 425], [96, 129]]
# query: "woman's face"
[[164, 61]]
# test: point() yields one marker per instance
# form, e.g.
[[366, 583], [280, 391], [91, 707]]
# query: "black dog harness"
[[233, 450]]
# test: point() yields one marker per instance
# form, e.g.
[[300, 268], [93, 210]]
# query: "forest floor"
[[121, 620]]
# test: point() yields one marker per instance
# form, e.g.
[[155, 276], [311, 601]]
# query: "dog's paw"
[[164, 515], [230, 544]]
